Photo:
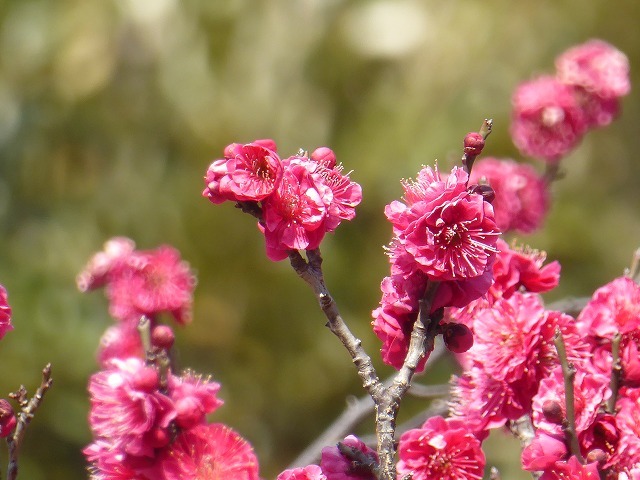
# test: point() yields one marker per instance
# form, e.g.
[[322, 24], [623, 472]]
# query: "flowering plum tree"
[[568, 387]]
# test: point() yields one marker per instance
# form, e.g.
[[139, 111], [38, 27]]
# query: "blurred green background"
[[111, 111]]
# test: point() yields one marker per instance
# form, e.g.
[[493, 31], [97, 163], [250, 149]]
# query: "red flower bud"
[[324, 156], [552, 411], [162, 337], [473, 144], [457, 337], [485, 190]]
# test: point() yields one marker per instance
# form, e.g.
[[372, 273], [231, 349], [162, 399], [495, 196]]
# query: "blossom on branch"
[[443, 232], [521, 195], [547, 120], [442, 448], [207, 452], [141, 282], [310, 472], [599, 73]]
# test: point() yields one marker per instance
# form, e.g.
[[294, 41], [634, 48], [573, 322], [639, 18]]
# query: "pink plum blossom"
[[613, 308], [207, 452], [571, 470], [597, 67], [547, 120], [310, 472], [122, 341], [151, 282], [127, 408], [521, 195], [443, 449], [295, 213], [249, 172], [194, 398]]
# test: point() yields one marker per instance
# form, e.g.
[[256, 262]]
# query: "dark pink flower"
[[248, 172], [209, 452], [310, 472], [484, 402], [338, 466], [547, 120], [442, 449], [521, 195], [5, 313], [110, 463], [628, 423], [571, 470], [102, 265], [615, 307], [152, 282], [507, 338], [597, 67], [446, 233], [522, 269], [294, 215], [120, 341], [591, 390], [194, 398], [127, 408], [543, 452], [455, 240]]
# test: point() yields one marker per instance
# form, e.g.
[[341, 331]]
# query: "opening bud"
[[457, 337], [552, 411]]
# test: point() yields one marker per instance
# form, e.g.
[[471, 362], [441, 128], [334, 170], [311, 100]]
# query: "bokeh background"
[[111, 111]]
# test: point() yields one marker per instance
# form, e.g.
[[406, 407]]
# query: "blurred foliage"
[[111, 110]]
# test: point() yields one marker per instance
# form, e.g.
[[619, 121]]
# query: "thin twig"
[[616, 373], [569, 374], [27, 411]]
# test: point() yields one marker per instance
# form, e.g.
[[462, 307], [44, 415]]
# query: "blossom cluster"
[[551, 114], [513, 370], [147, 421], [445, 235], [137, 283], [300, 198]]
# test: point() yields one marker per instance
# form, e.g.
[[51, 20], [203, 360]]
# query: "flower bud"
[[7, 418], [158, 437], [162, 337], [457, 337], [596, 455], [552, 411], [485, 190], [473, 144], [189, 412], [324, 156]]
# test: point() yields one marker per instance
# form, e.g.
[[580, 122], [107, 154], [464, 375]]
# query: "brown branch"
[[569, 375], [28, 409], [357, 409], [616, 373], [311, 272]]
